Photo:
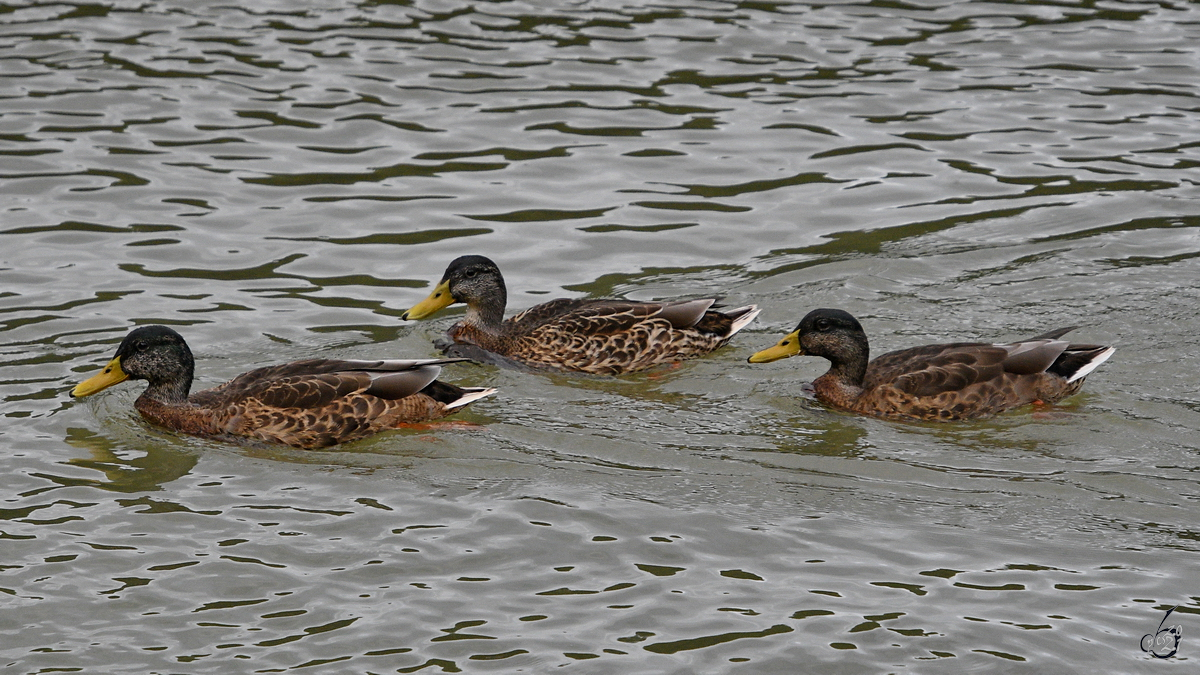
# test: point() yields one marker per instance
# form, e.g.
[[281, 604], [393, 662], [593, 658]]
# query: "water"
[[283, 180]]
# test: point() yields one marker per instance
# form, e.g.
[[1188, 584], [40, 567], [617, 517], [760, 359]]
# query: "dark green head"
[[830, 333], [156, 354], [833, 334]]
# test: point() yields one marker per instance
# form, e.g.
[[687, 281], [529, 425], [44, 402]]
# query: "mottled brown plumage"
[[943, 382], [599, 336], [306, 404]]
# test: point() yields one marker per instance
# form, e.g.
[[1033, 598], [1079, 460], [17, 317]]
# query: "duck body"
[[597, 336], [942, 382], [306, 404]]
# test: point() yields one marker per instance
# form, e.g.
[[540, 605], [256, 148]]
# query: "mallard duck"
[[943, 382], [306, 404], [599, 336]]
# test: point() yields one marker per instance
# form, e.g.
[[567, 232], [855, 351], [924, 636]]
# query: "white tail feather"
[[468, 396], [1093, 364], [743, 320]]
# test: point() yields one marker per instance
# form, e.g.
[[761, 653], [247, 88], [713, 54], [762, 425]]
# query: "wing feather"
[[602, 317], [317, 382], [934, 369]]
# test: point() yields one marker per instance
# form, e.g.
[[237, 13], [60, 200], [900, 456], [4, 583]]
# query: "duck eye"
[[822, 324], [141, 346], [470, 274]]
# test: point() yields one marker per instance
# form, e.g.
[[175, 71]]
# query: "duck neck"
[[166, 403], [851, 370], [486, 312], [843, 382], [173, 392], [833, 387]]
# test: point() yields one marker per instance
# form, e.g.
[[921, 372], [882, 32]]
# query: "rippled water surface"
[[282, 180]]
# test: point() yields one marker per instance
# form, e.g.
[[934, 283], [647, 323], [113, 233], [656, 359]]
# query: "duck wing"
[[315, 383], [607, 317], [546, 312], [936, 369]]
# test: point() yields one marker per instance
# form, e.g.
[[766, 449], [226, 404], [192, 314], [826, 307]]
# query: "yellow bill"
[[439, 299], [788, 346], [112, 374]]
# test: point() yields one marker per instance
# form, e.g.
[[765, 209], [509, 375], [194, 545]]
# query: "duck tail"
[[742, 316], [470, 394], [1078, 361]]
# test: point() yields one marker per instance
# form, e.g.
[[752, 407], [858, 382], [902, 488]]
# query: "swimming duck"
[[599, 336], [307, 404], [956, 381]]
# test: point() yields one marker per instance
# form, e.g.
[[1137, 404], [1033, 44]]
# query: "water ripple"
[[284, 181]]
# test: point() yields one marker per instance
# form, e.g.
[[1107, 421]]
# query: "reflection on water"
[[283, 182], [159, 465]]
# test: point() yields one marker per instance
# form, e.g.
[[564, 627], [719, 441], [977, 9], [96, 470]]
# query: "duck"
[[310, 404], [939, 382], [599, 336]]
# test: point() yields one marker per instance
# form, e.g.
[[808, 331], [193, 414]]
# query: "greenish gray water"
[[282, 181]]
